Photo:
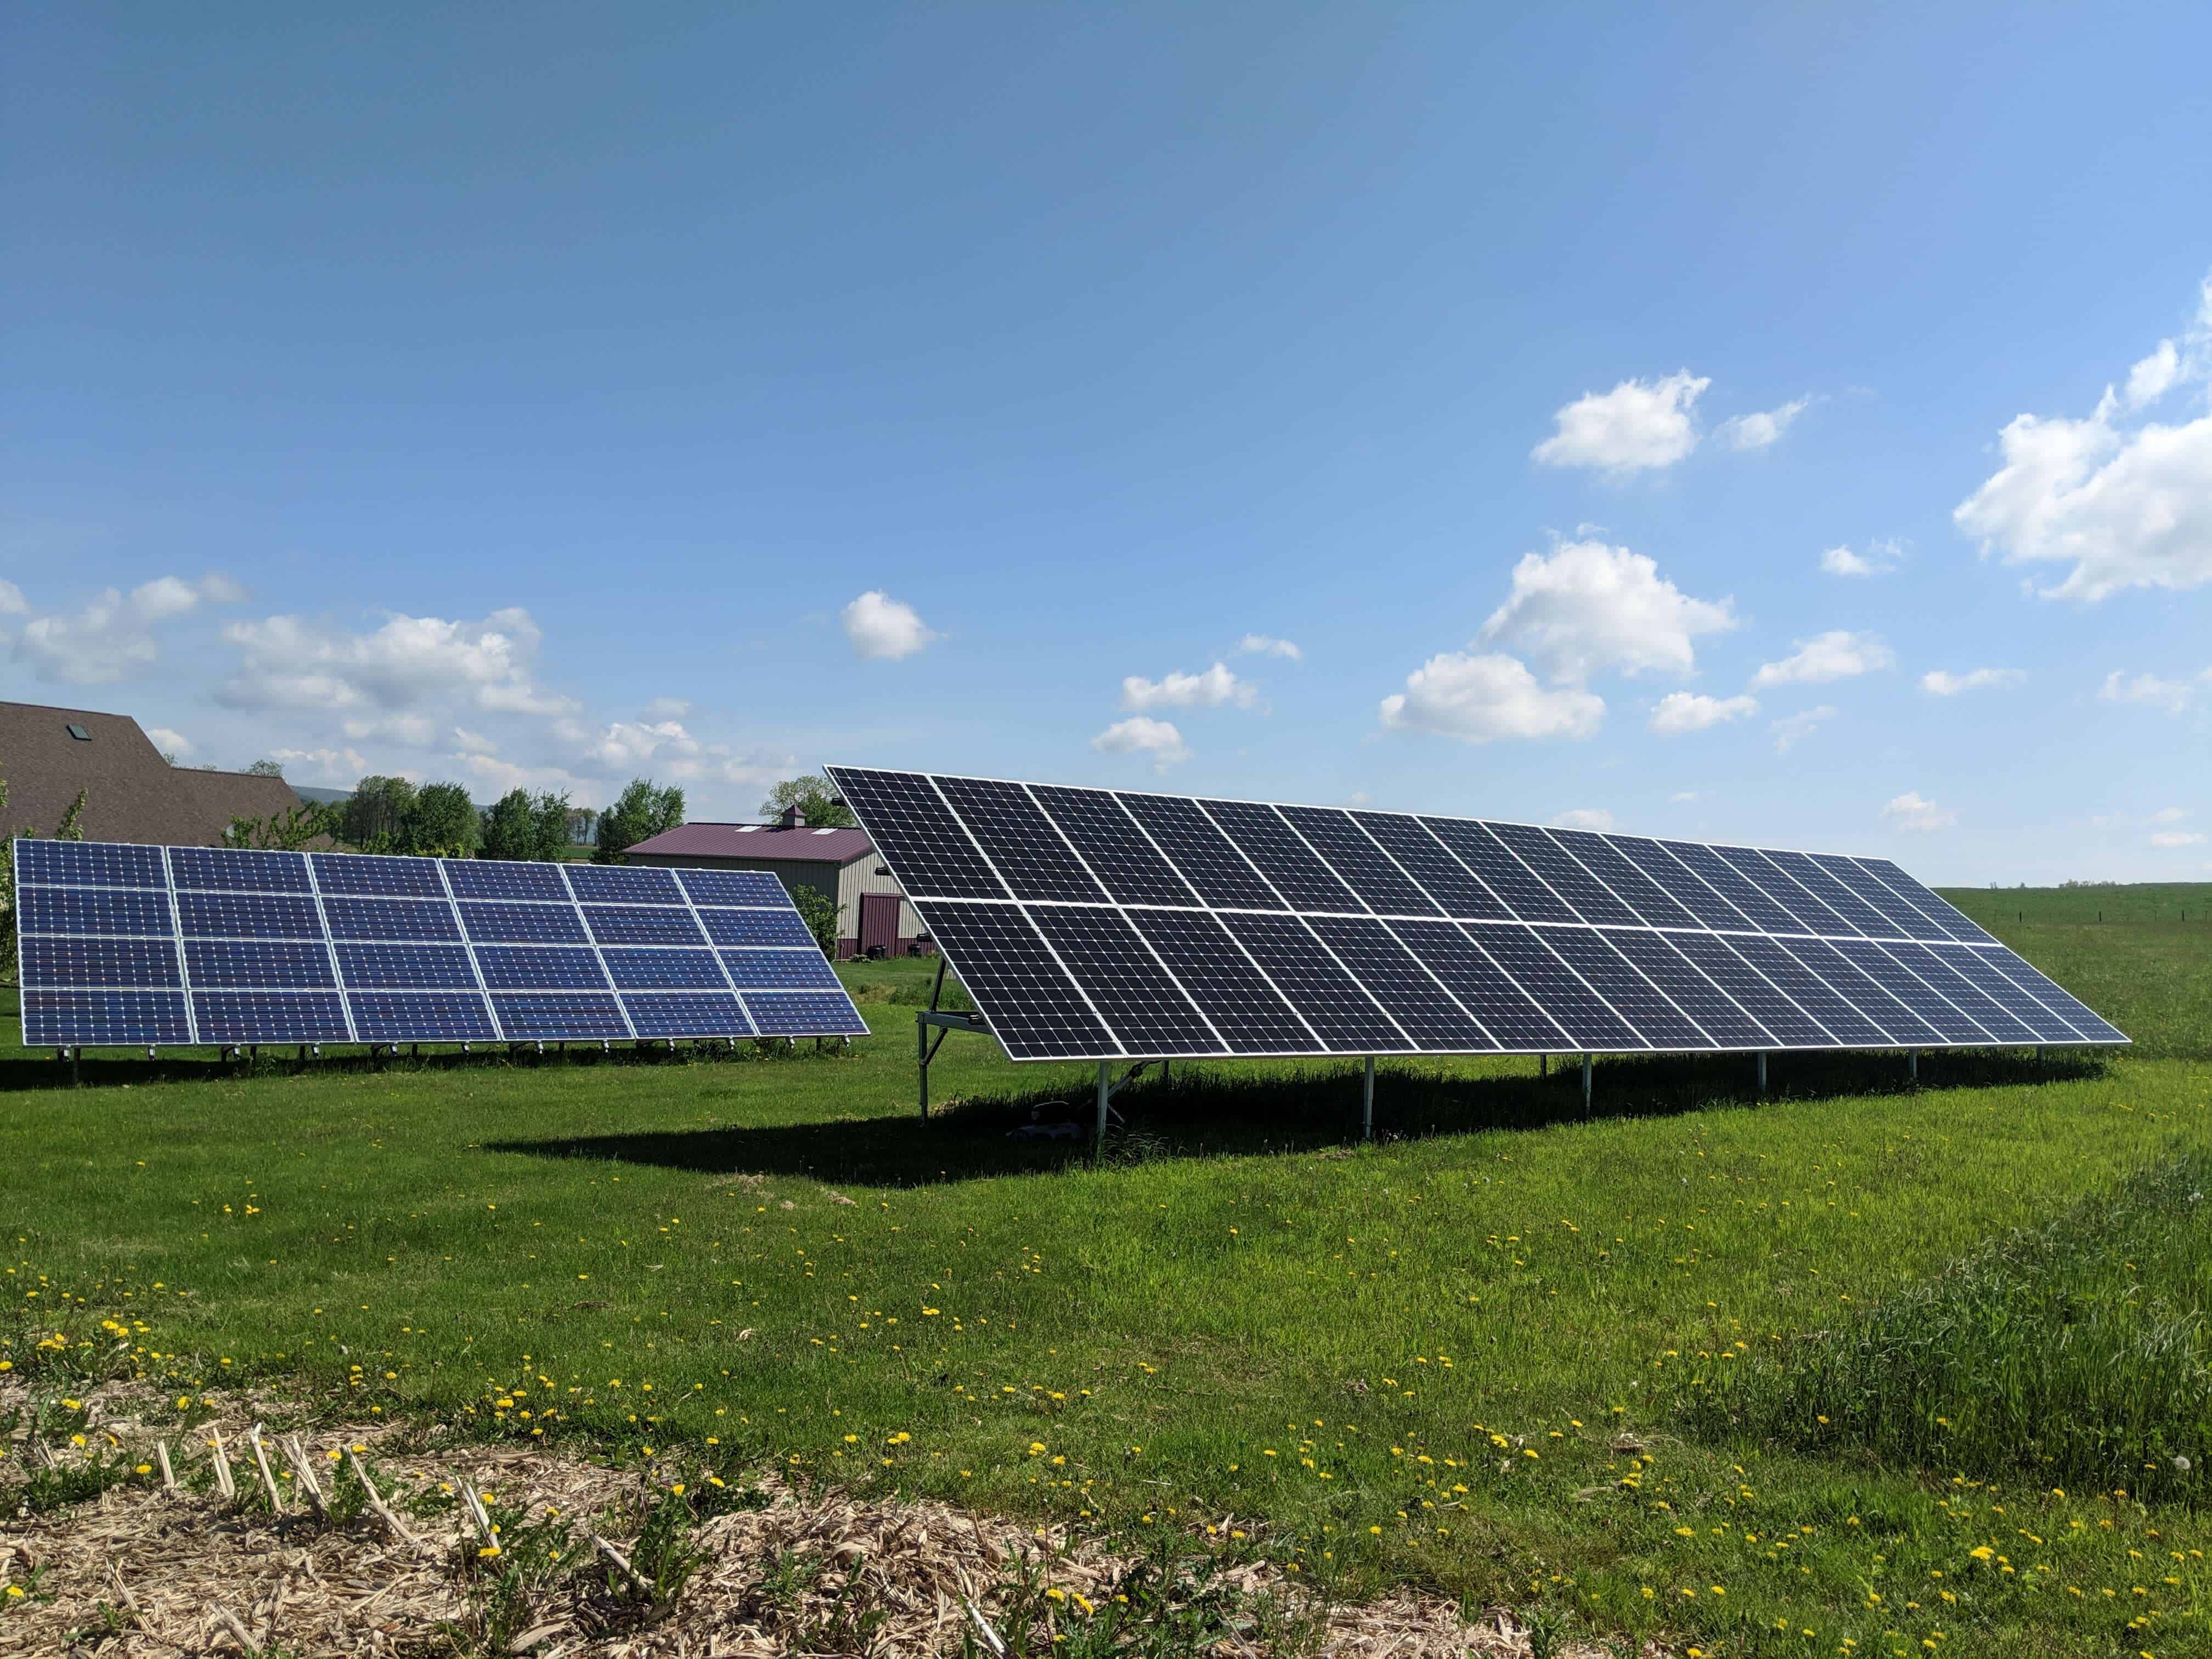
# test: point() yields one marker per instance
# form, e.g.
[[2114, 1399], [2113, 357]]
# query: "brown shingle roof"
[[131, 792]]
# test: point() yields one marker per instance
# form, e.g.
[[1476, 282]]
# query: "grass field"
[[1751, 1377]]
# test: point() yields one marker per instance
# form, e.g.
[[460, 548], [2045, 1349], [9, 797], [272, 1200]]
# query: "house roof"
[[131, 792], [757, 841]]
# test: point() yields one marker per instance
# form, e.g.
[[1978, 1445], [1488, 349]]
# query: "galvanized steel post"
[[1367, 1103]]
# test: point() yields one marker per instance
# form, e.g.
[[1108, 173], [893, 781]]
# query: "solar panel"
[[1100, 924], [123, 944]]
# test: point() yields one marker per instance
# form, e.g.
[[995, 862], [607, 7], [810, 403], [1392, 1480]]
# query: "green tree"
[[71, 828], [285, 832], [374, 818], [819, 912], [523, 825], [549, 818], [266, 768], [814, 795], [642, 811], [443, 822]]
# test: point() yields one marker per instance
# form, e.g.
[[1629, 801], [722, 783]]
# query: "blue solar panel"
[[667, 971], [269, 1016], [783, 971], [805, 1013], [94, 962], [733, 887], [688, 1013], [623, 883], [248, 915], [367, 874], [756, 928], [288, 947], [89, 863], [235, 870], [95, 910], [261, 964], [52, 1018], [476, 879]]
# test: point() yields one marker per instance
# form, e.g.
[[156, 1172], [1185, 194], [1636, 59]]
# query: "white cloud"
[[2169, 815], [288, 662], [883, 628], [474, 742], [1882, 555], [1215, 687], [1837, 654], [1584, 817], [1944, 683], [2124, 507], [667, 709], [1585, 607], [2172, 696], [2179, 838], [12, 602], [1683, 795], [168, 742], [341, 767], [1139, 735], [1637, 425], [1909, 811], [1265, 645], [1791, 728], [1689, 711], [1756, 431], [623, 746], [409, 731], [1479, 698], [112, 637]]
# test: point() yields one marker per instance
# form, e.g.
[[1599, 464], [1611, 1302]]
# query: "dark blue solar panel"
[[406, 967], [523, 924], [1993, 1015], [1341, 1012], [499, 878], [541, 968], [1117, 850], [1626, 989], [117, 962], [95, 910], [89, 863], [1433, 865], [1904, 1028], [687, 1013], [1563, 872], [1531, 965], [1201, 853], [1809, 991], [1250, 1014], [369, 875], [1264, 836], [237, 870], [733, 887], [1681, 883], [1791, 894], [1822, 884], [374, 918], [265, 964], [1626, 879], [640, 924], [1715, 1011], [787, 970], [1909, 988], [1980, 968], [52, 1018], [269, 1016], [623, 883], [421, 1017], [667, 971], [805, 1013], [248, 915], [1523, 891], [1789, 1025], [1031, 857], [1409, 994], [1358, 859], [1506, 1012], [543, 1017], [2052, 995], [756, 928], [1761, 913]]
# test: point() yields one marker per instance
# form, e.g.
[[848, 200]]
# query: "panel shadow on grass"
[[1195, 1114]]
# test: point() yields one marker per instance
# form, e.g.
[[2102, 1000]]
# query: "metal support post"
[[1367, 1103], [1105, 1088], [1913, 1065], [1586, 1085], [1762, 1074], [1543, 1066], [921, 1058]]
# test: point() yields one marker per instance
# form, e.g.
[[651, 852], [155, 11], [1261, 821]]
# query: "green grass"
[[1350, 1350]]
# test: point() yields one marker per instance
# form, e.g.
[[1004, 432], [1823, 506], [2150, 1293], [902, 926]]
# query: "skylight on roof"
[[748, 829], [831, 831], [79, 732]]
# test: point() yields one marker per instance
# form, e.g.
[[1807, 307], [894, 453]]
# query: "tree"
[[71, 828], [521, 825], [374, 818], [443, 822], [819, 912], [642, 811], [814, 795], [266, 768], [285, 832]]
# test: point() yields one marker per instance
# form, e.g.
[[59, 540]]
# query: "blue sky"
[[1594, 413]]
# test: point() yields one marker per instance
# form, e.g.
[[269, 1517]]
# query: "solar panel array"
[[1098, 924], [162, 945]]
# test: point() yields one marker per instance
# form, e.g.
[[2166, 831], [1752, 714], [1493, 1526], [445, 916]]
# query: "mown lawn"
[[1476, 1354]]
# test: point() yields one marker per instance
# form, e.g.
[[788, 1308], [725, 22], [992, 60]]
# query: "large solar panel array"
[[1099, 925], [163, 945]]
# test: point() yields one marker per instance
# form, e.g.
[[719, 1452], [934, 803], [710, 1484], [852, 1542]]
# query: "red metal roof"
[[743, 841]]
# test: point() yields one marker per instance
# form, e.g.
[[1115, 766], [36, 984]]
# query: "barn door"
[[879, 915]]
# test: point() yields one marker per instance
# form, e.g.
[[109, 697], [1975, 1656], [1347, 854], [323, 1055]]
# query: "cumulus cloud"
[[1837, 654], [1584, 817], [883, 628], [1209, 689], [1585, 607], [1479, 698], [1637, 426], [112, 638], [1140, 735], [289, 662], [1943, 684], [474, 742], [1265, 645], [1683, 795], [1881, 557], [667, 709], [2124, 506], [1911, 811], [1756, 431], [341, 767], [1689, 711], [168, 742], [2172, 696], [2178, 838], [1792, 729], [12, 602]]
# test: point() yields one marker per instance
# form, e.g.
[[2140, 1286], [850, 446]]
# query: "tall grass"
[[2076, 1352]]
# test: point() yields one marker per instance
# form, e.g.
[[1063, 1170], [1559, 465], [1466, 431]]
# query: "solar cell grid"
[[1521, 888], [479, 879], [1291, 868], [94, 962], [1031, 857], [1904, 1028], [917, 833], [404, 967], [1563, 873], [1035, 1010], [104, 1019], [89, 863], [491, 923], [1900, 919], [1931, 904], [1928, 1004], [635, 970], [1538, 969], [371, 875], [1680, 882], [641, 924], [779, 970], [1360, 861], [269, 1016], [1623, 879], [1814, 996], [385, 918], [1206, 858], [1455, 888], [248, 915], [1788, 1024], [688, 1013], [1341, 1012], [1752, 902], [756, 928], [1977, 968], [540, 967], [1815, 878], [566, 1015], [1813, 916], [95, 910], [2055, 997], [1647, 1009], [1992, 1016], [1420, 1007], [1717, 1014], [1235, 997], [1482, 988], [805, 1013], [261, 964], [748, 887], [1146, 1010], [238, 870], [1116, 849], [622, 884]]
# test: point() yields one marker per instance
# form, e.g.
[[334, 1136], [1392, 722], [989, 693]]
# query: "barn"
[[872, 913]]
